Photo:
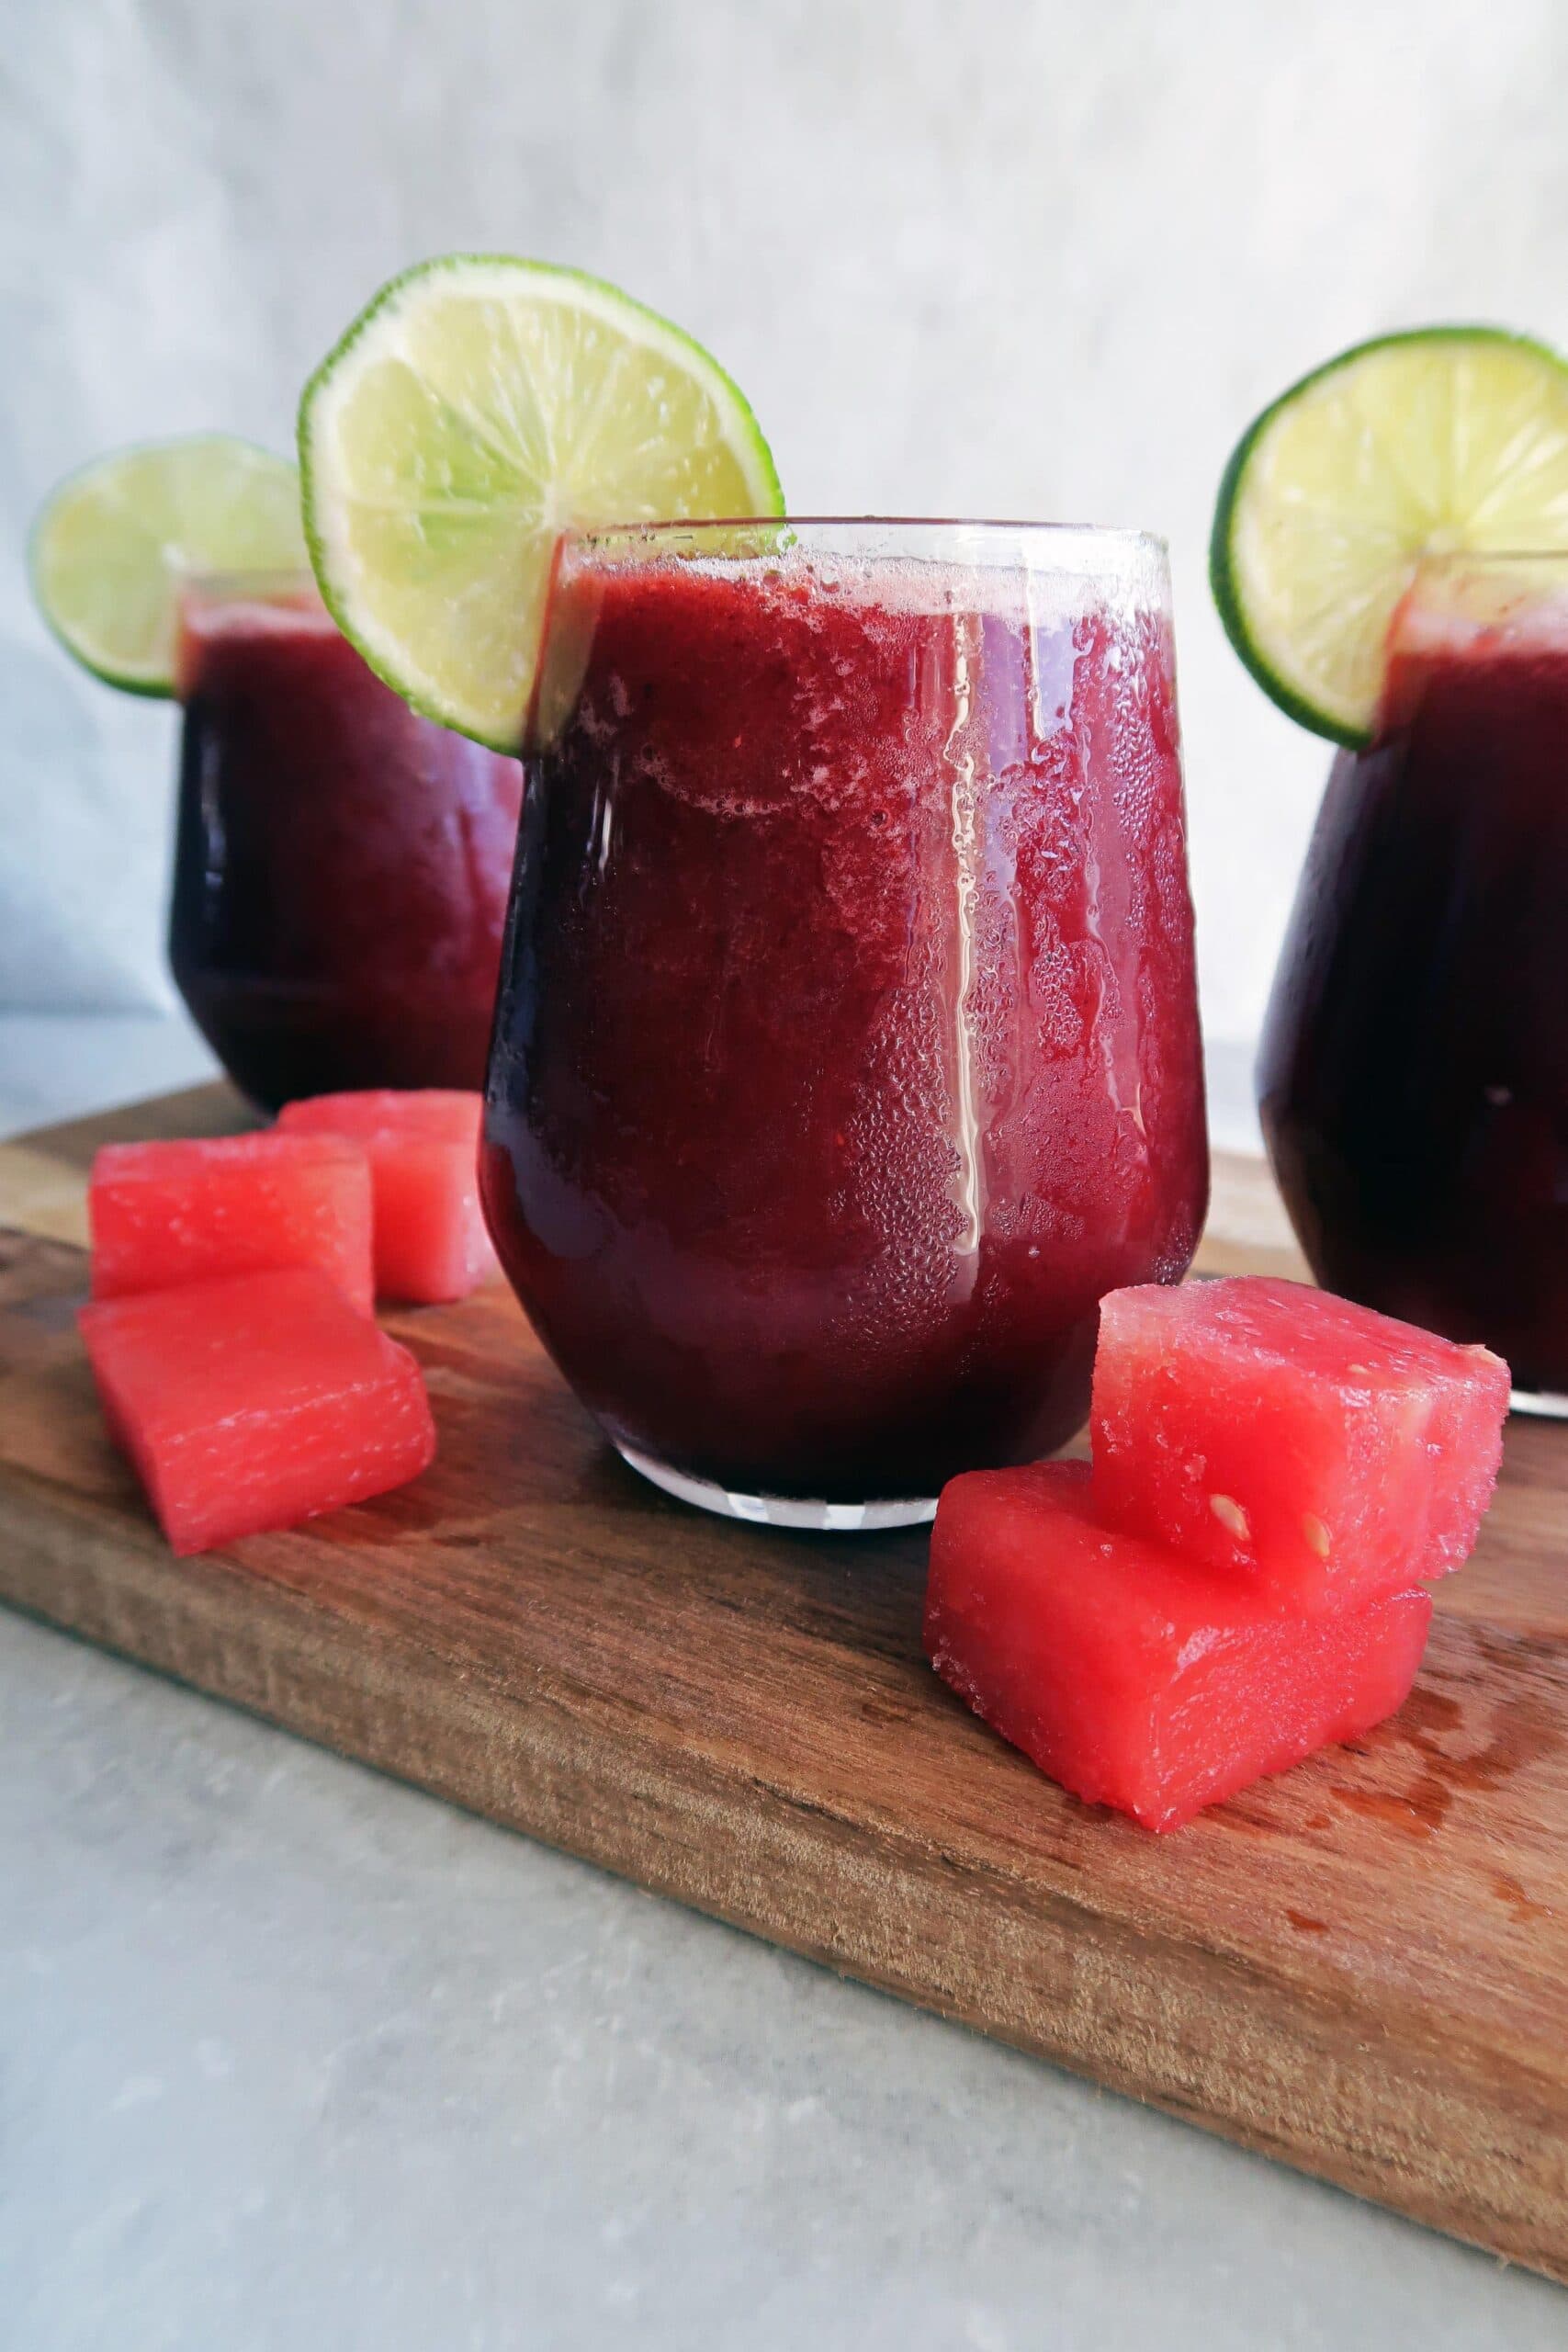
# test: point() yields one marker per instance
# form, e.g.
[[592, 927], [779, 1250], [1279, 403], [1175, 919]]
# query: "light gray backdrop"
[[1019, 257]]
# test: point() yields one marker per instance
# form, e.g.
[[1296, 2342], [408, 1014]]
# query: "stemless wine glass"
[[341, 863], [1414, 1078], [846, 1050]]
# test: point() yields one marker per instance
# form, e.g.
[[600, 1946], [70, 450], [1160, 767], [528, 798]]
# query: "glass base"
[[783, 1511], [1545, 1402]]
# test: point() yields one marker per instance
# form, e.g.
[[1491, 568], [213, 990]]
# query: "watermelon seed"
[[1317, 1536], [1231, 1516]]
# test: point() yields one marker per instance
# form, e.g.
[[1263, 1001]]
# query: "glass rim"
[[1107, 535], [236, 582], [1467, 559]]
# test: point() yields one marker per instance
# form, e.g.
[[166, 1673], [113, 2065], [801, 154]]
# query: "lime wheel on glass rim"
[[479, 405], [1443, 440], [113, 544]]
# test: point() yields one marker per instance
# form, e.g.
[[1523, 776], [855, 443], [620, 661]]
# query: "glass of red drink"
[[846, 1050], [1414, 1078], [341, 863]]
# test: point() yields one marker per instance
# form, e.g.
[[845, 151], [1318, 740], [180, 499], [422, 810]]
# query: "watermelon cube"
[[423, 1146], [161, 1213], [1325, 1451], [256, 1401], [1133, 1676]]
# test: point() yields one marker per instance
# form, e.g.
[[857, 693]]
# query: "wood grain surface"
[[1359, 1968]]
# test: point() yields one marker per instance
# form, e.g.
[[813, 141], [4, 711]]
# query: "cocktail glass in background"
[[341, 863], [847, 1045], [1414, 1078]]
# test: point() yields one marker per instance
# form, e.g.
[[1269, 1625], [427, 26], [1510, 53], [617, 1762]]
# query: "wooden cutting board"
[[1359, 1968]]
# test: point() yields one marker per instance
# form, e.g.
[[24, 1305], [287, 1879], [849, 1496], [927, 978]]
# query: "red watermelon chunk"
[[431, 1241], [162, 1214], [1325, 1451], [256, 1402], [1135, 1678]]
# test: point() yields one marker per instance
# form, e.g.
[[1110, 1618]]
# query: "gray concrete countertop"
[[293, 2057]]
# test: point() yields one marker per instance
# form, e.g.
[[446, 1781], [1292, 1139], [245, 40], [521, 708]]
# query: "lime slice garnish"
[[115, 542], [478, 406], [1445, 440]]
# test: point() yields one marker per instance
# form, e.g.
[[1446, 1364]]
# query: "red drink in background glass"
[[341, 864], [1414, 1079], [847, 1045]]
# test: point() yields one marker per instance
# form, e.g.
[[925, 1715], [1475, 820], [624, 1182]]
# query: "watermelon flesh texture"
[[164, 1213], [431, 1241], [1323, 1450], [254, 1402], [1135, 1678]]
